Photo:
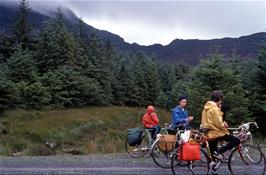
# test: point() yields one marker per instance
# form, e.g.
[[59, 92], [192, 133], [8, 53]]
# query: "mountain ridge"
[[179, 50]]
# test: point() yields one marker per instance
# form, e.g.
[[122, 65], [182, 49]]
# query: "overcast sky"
[[150, 22]]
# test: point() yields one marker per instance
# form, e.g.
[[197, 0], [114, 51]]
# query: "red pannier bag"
[[189, 152]]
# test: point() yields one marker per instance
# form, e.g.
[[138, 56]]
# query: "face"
[[219, 103], [183, 103]]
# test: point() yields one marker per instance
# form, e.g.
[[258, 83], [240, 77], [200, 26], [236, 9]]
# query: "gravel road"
[[119, 164]]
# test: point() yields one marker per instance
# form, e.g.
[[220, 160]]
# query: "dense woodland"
[[60, 69]]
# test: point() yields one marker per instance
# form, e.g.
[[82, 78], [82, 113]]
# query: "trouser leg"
[[213, 146], [232, 142], [156, 131]]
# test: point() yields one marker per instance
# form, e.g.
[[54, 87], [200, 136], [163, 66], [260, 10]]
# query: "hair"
[[182, 97], [216, 96]]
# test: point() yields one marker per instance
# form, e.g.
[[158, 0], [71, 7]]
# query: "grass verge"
[[69, 131]]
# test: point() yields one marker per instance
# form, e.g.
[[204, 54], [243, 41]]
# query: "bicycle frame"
[[242, 152], [243, 129], [241, 155], [148, 133], [244, 134]]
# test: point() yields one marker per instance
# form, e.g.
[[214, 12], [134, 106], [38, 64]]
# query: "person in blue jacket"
[[180, 118]]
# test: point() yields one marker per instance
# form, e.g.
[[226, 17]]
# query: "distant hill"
[[188, 51]]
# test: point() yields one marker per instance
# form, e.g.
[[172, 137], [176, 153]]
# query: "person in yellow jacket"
[[212, 120]]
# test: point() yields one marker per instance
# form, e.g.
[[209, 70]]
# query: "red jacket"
[[150, 118]]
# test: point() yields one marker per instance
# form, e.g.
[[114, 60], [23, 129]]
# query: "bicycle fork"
[[241, 155]]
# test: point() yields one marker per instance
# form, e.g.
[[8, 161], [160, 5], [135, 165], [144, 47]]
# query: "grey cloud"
[[221, 17], [205, 19]]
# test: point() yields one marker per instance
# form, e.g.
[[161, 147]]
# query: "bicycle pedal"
[[212, 164]]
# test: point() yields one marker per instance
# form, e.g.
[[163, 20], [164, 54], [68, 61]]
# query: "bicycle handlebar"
[[244, 126]]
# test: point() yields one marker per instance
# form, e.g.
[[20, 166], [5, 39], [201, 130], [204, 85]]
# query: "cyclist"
[[180, 118], [150, 120], [212, 120]]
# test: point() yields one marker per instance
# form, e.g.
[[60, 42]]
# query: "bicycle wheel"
[[246, 159], [175, 162], [161, 158], [193, 167], [138, 150], [200, 166]]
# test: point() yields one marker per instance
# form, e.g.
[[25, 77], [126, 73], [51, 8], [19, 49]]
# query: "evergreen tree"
[[8, 93], [261, 78], [69, 88], [259, 108], [162, 100], [32, 95], [127, 89], [181, 71], [140, 80], [100, 69], [213, 74], [118, 90], [140, 84], [56, 46], [5, 48], [167, 77], [22, 26], [179, 88], [152, 80], [21, 70], [21, 66]]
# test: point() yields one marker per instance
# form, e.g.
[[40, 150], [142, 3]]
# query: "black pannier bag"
[[134, 136]]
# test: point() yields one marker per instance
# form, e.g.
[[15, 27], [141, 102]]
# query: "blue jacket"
[[179, 116]]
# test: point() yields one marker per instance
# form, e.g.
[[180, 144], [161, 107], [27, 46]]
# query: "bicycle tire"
[[198, 166], [161, 158], [140, 150], [246, 159]]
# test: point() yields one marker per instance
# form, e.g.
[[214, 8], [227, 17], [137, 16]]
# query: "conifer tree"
[[117, 61], [152, 80], [212, 74], [5, 48], [261, 78], [56, 46], [100, 68], [22, 26], [21, 70], [162, 100], [178, 89], [8, 93], [167, 77], [140, 83], [259, 107], [21, 66], [69, 88], [32, 95], [127, 90]]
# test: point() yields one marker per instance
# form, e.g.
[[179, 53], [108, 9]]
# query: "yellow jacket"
[[212, 118]]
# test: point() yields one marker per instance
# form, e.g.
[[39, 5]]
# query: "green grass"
[[74, 131]]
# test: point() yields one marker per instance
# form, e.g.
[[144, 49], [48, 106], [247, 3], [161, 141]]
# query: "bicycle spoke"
[[138, 150], [193, 167], [161, 158], [200, 166], [248, 159]]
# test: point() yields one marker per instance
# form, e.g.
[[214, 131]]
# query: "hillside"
[[188, 51], [69, 131]]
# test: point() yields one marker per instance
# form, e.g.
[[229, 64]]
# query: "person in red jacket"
[[150, 120]]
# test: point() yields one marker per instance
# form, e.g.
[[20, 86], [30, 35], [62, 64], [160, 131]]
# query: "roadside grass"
[[69, 131], [72, 131]]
